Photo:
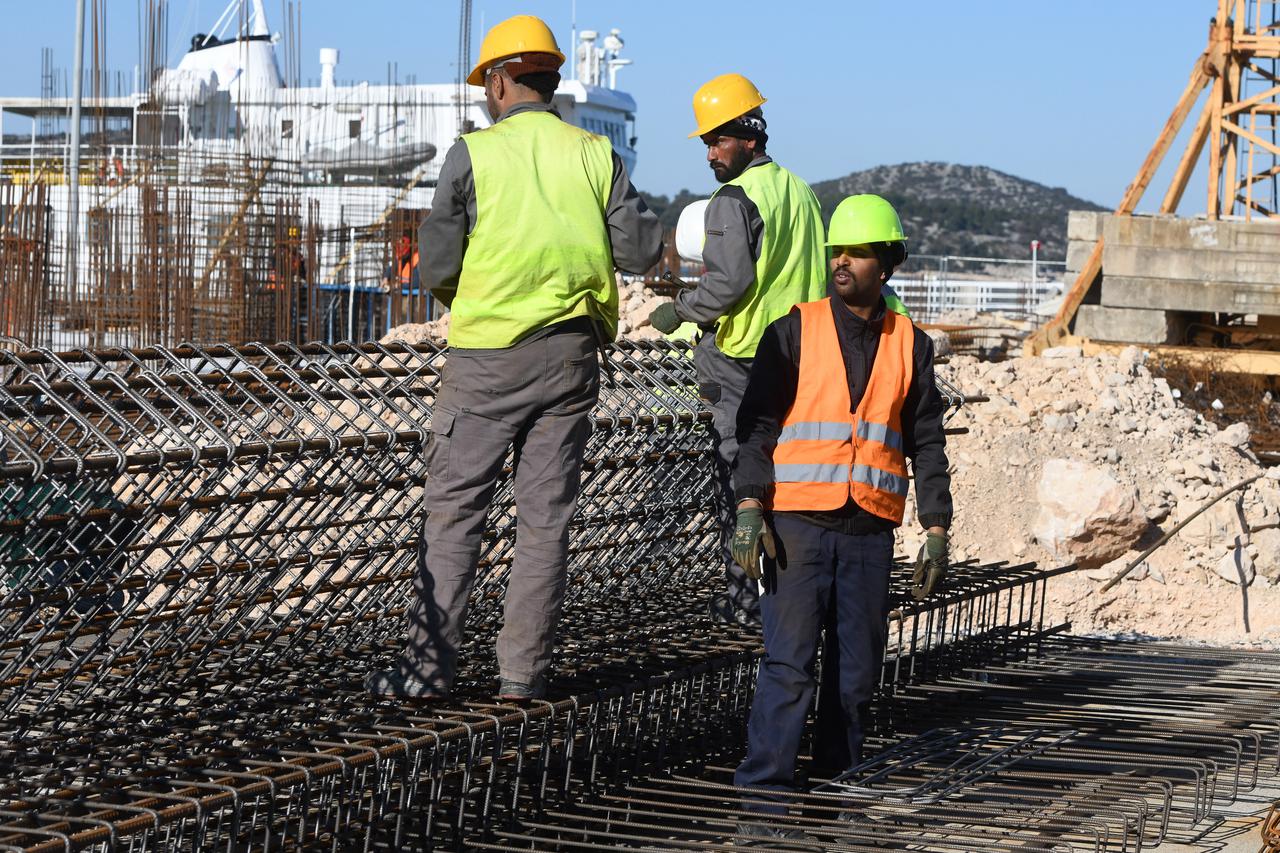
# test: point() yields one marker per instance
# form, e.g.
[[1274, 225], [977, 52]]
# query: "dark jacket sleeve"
[[771, 390], [634, 230], [735, 230], [442, 237], [923, 439]]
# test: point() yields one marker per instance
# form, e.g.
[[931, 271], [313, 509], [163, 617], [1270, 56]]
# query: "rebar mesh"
[[204, 550]]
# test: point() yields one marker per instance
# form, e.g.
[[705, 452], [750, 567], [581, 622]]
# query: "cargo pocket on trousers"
[[438, 441], [579, 372]]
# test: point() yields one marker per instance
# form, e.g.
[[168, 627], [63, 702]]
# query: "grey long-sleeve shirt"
[[634, 231], [735, 230]]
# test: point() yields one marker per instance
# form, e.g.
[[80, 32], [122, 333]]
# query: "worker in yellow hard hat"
[[841, 396], [531, 216], [763, 253]]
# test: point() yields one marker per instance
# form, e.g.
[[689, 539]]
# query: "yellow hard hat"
[[723, 99], [516, 35]]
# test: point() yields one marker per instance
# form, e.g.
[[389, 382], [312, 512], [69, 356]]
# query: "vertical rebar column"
[[73, 191]]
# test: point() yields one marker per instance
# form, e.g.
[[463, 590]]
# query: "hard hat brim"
[[704, 130], [476, 77], [847, 243]]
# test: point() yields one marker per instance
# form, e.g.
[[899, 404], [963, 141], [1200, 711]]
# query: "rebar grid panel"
[[206, 549], [167, 511], [298, 755], [1087, 745]]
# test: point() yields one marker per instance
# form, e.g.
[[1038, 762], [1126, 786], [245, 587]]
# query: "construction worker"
[[763, 254], [841, 395], [530, 218], [403, 270]]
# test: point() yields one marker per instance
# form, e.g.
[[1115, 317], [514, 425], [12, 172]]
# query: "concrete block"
[[1177, 264], [1260, 236], [1078, 254], [1127, 325], [1085, 225], [1191, 264], [1179, 294]]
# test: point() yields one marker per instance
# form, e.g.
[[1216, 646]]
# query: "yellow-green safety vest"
[[538, 252], [792, 265]]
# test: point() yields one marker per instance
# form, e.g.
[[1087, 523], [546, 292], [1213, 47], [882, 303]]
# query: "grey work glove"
[[931, 566], [749, 535], [664, 318]]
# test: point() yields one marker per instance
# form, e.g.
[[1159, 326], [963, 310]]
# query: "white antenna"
[[573, 37]]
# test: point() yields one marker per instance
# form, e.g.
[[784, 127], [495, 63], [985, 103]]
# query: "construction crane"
[[1238, 125]]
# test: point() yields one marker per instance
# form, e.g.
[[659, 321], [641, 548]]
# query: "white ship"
[[246, 171]]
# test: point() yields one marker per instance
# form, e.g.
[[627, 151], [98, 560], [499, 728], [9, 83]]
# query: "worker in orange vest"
[[841, 394], [404, 269]]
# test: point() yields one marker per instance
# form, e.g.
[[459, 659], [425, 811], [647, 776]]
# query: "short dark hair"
[[542, 82], [890, 255]]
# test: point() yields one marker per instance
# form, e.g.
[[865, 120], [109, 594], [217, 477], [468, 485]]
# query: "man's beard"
[[728, 171]]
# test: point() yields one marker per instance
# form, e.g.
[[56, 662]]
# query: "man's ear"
[[497, 84]]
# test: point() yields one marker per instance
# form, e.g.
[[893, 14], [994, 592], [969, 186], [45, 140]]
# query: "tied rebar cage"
[[204, 550], [167, 512]]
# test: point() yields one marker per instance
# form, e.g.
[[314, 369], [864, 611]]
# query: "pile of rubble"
[[635, 304], [1089, 460]]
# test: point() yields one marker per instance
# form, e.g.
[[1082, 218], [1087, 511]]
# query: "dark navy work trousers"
[[822, 578]]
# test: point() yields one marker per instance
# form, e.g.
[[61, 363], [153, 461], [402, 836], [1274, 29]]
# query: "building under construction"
[[222, 200]]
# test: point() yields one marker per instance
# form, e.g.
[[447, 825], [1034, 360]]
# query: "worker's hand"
[[664, 318], [931, 565], [749, 535]]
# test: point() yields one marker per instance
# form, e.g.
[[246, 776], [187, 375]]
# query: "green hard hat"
[[864, 219]]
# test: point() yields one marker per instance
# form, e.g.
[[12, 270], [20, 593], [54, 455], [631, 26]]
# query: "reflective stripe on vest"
[[792, 264], [881, 433], [825, 454], [815, 431], [538, 252]]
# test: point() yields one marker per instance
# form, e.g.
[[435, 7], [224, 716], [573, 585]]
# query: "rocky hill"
[[948, 209]]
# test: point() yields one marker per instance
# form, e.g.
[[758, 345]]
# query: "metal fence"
[[935, 285]]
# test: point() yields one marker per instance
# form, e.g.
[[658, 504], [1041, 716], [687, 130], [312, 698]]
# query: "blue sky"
[[1067, 94]]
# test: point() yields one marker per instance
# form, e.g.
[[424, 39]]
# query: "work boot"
[[393, 682], [511, 690]]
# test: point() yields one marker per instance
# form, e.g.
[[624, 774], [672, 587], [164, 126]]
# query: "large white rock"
[[1234, 566], [1236, 435], [1086, 517], [1268, 560], [941, 343], [1217, 527]]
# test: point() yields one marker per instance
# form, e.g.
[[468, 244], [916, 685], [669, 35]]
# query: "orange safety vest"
[[407, 267], [827, 454]]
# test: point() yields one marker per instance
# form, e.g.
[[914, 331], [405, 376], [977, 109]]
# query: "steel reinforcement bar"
[[1088, 745], [204, 550]]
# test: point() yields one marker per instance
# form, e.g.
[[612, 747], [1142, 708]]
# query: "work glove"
[[931, 566], [664, 318], [749, 534]]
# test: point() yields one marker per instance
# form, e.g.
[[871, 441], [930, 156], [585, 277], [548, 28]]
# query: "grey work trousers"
[[537, 396], [722, 381]]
